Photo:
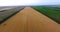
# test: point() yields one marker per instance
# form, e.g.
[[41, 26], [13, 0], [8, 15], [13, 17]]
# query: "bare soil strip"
[[29, 20]]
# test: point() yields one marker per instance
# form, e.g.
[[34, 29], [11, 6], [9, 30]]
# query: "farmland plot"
[[4, 15], [51, 12]]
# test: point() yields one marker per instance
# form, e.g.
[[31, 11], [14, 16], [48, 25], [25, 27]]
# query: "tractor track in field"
[[29, 20]]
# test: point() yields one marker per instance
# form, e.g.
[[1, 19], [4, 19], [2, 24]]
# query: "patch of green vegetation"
[[52, 12]]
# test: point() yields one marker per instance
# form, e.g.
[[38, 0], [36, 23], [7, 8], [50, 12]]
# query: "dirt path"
[[29, 20]]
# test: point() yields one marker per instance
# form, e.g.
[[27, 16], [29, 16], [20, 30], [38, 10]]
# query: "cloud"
[[28, 2]]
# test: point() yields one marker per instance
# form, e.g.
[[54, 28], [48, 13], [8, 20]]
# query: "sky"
[[28, 2]]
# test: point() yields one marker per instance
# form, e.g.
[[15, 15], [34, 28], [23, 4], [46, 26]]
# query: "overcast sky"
[[28, 2]]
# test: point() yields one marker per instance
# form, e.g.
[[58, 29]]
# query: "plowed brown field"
[[29, 20]]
